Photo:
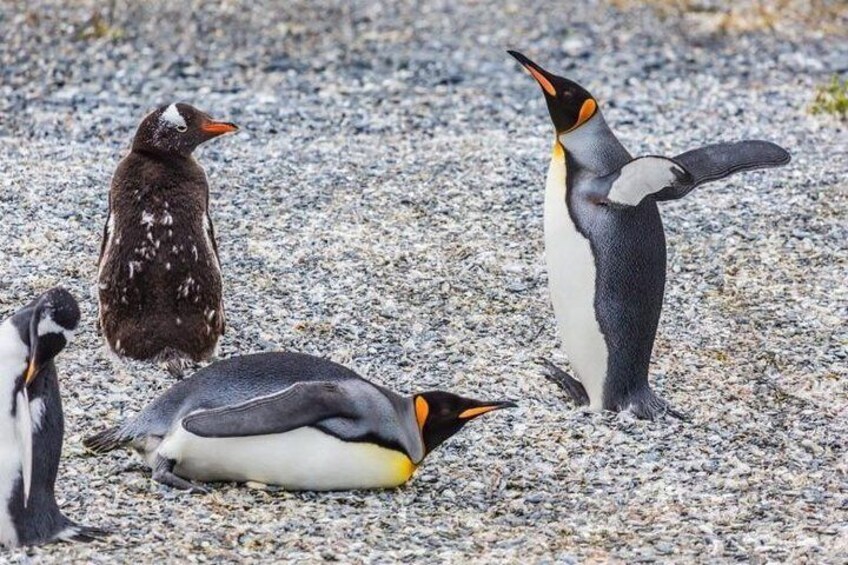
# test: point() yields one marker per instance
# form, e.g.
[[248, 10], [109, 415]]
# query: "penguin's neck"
[[171, 157], [594, 147]]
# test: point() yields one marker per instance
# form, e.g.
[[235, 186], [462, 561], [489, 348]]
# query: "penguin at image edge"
[[32, 424], [292, 420], [605, 246], [159, 275]]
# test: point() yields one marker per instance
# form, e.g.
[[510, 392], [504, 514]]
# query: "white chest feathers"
[[10, 472], [302, 459], [571, 272], [13, 355]]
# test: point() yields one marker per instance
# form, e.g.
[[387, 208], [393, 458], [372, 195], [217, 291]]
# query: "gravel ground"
[[382, 206]]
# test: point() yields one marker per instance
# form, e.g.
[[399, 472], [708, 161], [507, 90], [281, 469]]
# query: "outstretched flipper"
[[670, 179], [301, 404], [715, 162], [641, 177], [566, 382]]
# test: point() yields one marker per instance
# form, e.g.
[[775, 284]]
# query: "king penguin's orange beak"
[[537, 72]]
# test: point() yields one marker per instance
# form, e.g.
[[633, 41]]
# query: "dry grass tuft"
[[826, 16]]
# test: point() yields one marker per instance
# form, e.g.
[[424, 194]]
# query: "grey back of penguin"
[[241, 379], [233, 381]]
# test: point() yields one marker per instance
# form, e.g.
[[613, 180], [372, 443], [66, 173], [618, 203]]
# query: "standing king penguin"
[[159, 276], [605, 246], [32, 424], [292, 420]]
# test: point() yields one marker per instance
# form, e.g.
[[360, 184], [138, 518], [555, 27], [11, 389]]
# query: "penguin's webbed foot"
[[131, 467], [176, 366], [646, 405], [82, 534], [569, 384], [163, 473]]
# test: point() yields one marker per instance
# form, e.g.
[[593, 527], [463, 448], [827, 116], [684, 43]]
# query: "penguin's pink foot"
[[566, 382]]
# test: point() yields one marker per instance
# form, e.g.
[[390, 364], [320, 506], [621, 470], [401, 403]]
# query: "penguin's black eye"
[[182, 129]]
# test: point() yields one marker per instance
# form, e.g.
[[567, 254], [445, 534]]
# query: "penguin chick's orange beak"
[[480, 410], [218, 128]]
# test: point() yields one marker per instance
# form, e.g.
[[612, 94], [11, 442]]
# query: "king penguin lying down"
[[292, 420]]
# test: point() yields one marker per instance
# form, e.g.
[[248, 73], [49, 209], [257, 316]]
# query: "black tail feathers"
[[107, 440]]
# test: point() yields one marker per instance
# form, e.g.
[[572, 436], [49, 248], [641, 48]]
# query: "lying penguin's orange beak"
[[480, 410], [218, 128]]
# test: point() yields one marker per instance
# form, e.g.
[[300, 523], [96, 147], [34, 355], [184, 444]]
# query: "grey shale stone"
[[382, 206]]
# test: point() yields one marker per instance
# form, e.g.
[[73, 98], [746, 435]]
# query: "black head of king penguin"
[[159, 280], [604, 243], [31, 422]]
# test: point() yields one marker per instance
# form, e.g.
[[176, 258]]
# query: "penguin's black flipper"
[[302, 404], [105, 239], [637, 179], [715, 162]]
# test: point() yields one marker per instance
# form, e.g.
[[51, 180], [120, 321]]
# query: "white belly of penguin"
[[302, 459], [13, 356], [10, 472], [571, 272]]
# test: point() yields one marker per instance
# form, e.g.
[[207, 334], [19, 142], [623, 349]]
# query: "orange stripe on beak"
[[535, 71], [218, 128], [543, 82], [472, 412]]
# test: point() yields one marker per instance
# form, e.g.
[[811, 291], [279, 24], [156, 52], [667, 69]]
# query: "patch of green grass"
[[98, 27], [832, 98]]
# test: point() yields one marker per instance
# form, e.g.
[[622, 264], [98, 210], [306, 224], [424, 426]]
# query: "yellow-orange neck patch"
[[587, 110], [558, 150], [422, 410]]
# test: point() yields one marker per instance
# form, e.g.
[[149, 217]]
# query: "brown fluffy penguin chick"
[[159, 277]]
